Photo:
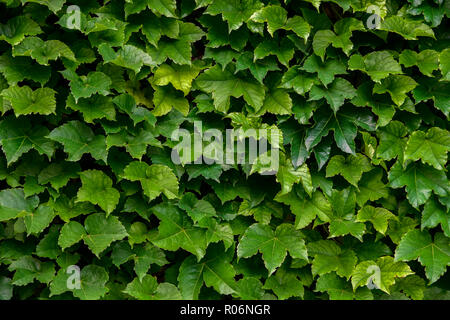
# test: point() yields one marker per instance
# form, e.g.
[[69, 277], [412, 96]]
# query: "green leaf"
[[378, 65], [14, 204], [93, 182], [336, 94], [166, 98], [430, 147], [16, 69], [433, 214], [328, 257], [98, 233], [43, 51], [285, 284], [305, 209], [93, 281], [128, 56], [371, 187], [235, 12], [154, 179], [379, 217], [383, 273], [433, 255], [407, 28], [222, 84], [326, 71], [26, 101], [427, 60], [177, 231], [351, 168], [78, 139], [392, 141], [142, 289], [420, 180], [17, 137], [436, 90], [215, 270], [27, 269], [86, 86], [397, 86], [273, 245], [15, 30], [180, 77], [299, 81]]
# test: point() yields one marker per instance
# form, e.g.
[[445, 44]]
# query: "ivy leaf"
[[136, 145], [78, 139], [379, 217], [371, 187], [343, 124], [38, 220], [378, 65], [223, 85], [433, 214], [305, 209], [383, 273], [15, 30], [434, 256], [93, 281], [419, 180], [258, 68], [104, 107], [339, 289], [86, 86], [179, 50], [180, 77], [215, 270], [143, 289], [166, 98], [397, 86], [427, 60], [285, 284], [444, 63], [381, 105], [26, 101], [27, 269], [392, 141], [235, 12], [436, 90], [336, 94], [177, 231], [18, 136], [93, 182], [128, 56], [43, 51], [287, 176], [154, 179], [351, 168], [273, 245], [14, 204], [431, 147], [98, 233], [407, 28], [283, 50], [16, 69], [328, 257], [326, 70], [338, 39], [299, 81]]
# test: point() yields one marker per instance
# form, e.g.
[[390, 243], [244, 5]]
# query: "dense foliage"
[[358, 92]]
